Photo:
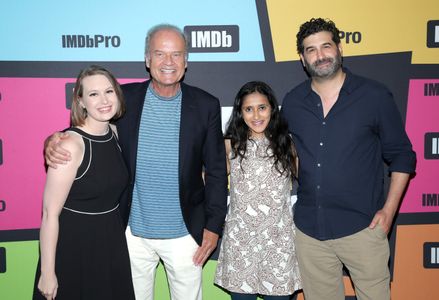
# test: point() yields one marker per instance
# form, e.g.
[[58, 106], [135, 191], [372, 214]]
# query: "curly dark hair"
[[281, 143], [315, 26]]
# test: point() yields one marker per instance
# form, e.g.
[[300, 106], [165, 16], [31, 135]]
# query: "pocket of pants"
[[379, 232]]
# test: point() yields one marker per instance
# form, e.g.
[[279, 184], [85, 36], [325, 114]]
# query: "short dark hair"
[[314, 26]]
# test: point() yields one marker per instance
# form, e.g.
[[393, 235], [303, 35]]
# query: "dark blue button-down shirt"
[[341, 155]]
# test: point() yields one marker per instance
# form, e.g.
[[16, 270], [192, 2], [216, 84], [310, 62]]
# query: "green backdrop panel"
[[21, 261], [22, 257]]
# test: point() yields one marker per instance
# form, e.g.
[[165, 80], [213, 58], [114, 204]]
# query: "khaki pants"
[[365, 254]]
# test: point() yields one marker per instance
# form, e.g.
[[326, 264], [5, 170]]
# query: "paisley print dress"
[[257, 253]]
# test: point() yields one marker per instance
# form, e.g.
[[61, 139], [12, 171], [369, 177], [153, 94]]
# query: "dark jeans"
[[238, 296]]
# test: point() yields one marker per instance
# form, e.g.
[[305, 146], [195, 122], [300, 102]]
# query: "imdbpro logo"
[[212, 38], [89, 41], [433, 34], [431, 255], [431, 145]]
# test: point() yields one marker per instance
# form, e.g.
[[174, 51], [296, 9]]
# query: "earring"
[[84, 110]]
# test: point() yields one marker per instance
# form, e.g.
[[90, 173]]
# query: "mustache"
[[323, 61]]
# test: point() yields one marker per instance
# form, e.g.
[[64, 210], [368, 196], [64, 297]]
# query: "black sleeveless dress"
[[92, 259]]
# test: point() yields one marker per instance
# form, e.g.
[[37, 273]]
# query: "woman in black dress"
[[82, 241]]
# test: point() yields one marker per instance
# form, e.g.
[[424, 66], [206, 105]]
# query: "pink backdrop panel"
[[422, 112], [30, 110]]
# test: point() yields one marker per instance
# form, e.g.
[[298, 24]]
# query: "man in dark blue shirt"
[[344, 127]]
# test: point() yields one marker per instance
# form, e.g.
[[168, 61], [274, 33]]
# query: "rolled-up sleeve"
[[396, 147]]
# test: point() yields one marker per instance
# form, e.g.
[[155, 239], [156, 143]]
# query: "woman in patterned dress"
[[257, 255]]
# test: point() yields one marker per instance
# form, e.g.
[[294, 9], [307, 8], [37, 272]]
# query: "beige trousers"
[[365, 254]]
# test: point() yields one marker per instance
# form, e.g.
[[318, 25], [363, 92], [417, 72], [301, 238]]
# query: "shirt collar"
[[351, 81]]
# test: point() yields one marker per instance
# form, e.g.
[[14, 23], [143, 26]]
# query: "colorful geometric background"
[[45, 43]]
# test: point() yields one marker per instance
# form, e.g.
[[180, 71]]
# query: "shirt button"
[[318, 187], [321, 144], [318, 165], [318, 104], [323, 123]]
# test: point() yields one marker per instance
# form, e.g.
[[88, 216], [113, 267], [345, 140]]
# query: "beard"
[[334, 65]]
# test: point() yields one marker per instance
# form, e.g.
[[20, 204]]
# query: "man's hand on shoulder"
[[54, 154]]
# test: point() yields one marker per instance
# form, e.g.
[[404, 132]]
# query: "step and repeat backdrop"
[[44, 44]]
